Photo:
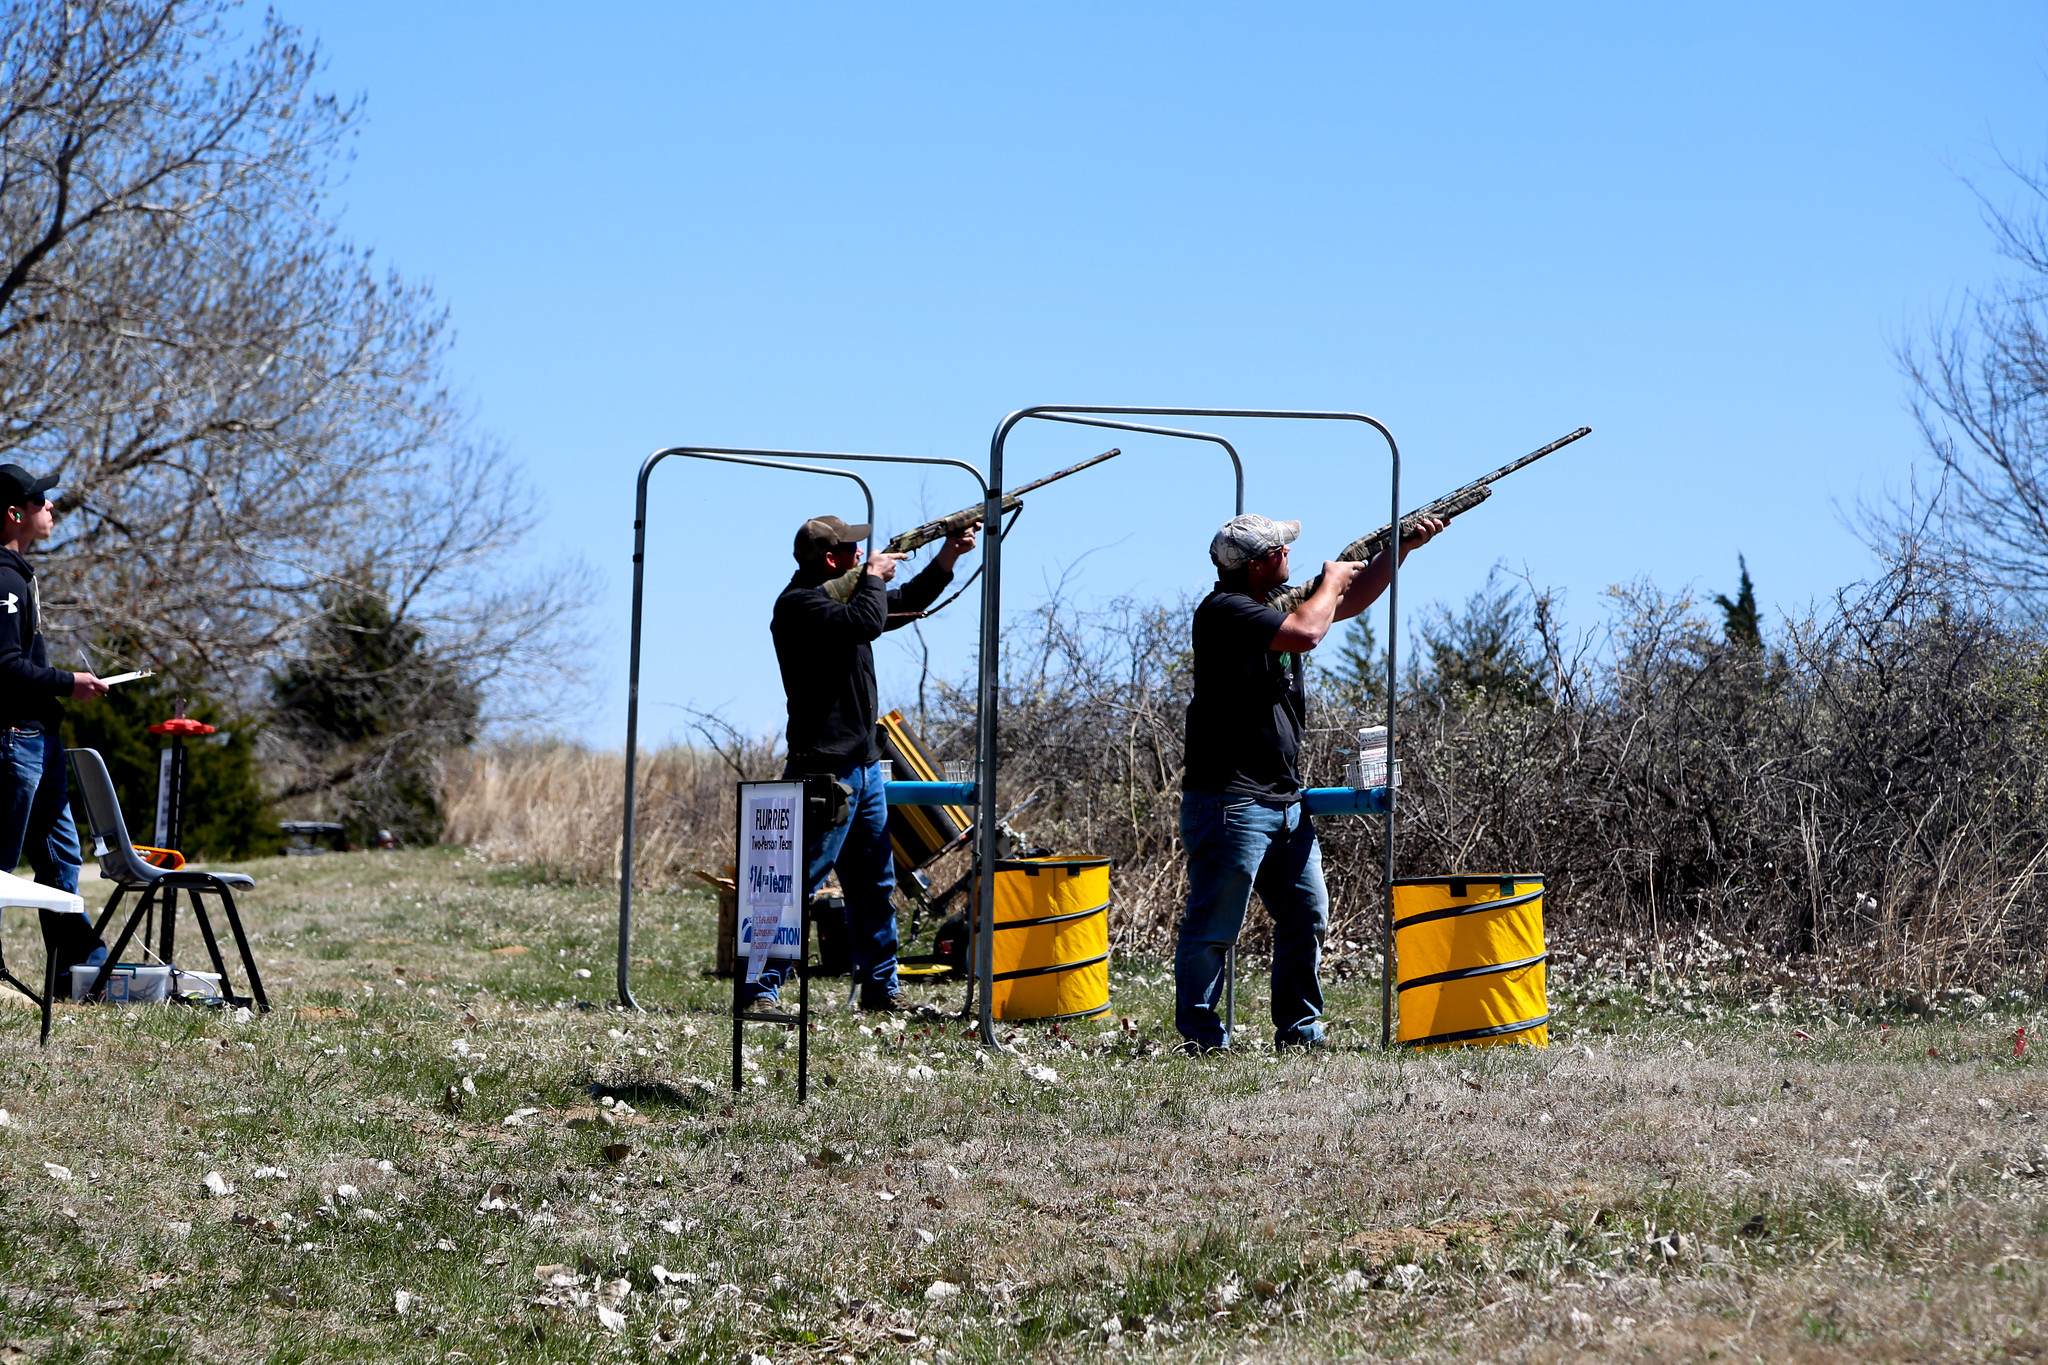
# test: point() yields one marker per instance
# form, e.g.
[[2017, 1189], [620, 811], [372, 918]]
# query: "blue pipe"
[[1345, 800], [929, 793]]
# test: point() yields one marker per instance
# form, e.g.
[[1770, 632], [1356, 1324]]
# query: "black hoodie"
[[29, 687], [828, 671]]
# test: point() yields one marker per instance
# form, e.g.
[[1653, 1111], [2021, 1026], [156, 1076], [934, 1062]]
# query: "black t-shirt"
[[1245, 719], [828, 670]]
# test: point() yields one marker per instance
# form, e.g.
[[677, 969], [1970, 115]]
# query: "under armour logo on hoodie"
[[12, 604]]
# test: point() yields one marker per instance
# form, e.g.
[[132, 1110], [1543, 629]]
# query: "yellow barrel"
[[1469, 957], [1052, 938]]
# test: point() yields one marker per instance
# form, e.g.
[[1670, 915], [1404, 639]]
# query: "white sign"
[[771, 867]]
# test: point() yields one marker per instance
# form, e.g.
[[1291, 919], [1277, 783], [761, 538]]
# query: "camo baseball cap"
[[820, 534], [1249, 536]]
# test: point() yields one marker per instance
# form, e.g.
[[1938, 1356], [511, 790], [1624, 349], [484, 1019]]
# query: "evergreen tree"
[[1358, 674], [1484, 651], [369, 708], [1741, 625], [226, 814]]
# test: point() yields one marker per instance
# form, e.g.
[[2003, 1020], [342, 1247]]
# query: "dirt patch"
[[320, 1013], [510, 950], [1389, 1244]]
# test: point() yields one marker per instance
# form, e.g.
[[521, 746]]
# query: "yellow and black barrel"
[[1051, 957], [1469, 957], [918, 834]]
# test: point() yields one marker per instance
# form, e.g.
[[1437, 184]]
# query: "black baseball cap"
[[813, 538], [19, 488]]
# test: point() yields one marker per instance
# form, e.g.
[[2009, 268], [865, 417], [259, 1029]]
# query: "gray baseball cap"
[[1248, 536]]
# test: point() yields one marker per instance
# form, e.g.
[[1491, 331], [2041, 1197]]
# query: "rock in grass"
[[216, 1186], [941, 1291]]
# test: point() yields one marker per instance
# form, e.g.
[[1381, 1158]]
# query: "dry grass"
[[556, 808], [1661, 1185]]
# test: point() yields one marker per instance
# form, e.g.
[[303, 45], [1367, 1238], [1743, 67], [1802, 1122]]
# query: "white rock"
[[403, 1302], [57, 1172], [270, 1173], [941, 1291], [1407, 1276], [216, 1187], [346, 1192], [610, 1318], [1039, 1071], [518, 1117]]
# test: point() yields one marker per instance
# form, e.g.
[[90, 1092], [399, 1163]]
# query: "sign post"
[[773, 919]]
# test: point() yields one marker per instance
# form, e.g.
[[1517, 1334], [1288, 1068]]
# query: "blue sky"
[[1701, 231]]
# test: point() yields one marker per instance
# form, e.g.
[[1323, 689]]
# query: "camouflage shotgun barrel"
[[1362, 550], [841, 588]]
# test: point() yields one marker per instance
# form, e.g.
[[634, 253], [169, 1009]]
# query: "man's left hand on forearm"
[[957, 546]]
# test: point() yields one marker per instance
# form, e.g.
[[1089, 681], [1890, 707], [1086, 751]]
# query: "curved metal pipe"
[[633, 669], [763, 459], [986, 698], [1228, 448]]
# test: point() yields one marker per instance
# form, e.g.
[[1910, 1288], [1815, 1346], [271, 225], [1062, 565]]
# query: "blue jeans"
[[1236, 845], [35, 821], [859, 849]]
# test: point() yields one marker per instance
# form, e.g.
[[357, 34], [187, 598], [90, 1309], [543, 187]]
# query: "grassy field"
[[445, 1145]]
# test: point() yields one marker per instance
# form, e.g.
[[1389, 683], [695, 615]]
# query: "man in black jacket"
[[828, 676], [35, 814]]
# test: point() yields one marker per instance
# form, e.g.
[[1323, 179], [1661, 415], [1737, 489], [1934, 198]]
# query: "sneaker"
[[762, 1004], [1315, 1044]]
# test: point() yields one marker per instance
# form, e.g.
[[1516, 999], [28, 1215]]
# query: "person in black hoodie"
[[828, 676], [35, 812]]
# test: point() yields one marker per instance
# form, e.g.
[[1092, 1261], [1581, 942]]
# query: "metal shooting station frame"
[[763, 459], [986, 699]]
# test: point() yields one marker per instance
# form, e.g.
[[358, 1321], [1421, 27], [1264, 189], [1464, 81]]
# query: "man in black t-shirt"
[[1240, 814], [828, 675]]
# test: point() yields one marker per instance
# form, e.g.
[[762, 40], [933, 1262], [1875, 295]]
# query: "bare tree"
[[1980, 382], [246, 411]]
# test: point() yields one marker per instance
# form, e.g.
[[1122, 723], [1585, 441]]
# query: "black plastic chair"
[[123, 866]]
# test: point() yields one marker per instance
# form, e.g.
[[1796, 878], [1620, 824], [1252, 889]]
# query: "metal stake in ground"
[[170, 809]]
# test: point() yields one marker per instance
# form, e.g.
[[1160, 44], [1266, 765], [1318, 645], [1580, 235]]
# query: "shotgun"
[[840, 589], [1443, 509]]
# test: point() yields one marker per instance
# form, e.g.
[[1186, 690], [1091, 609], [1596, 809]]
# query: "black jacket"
[[29, 687], [828, 670]]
